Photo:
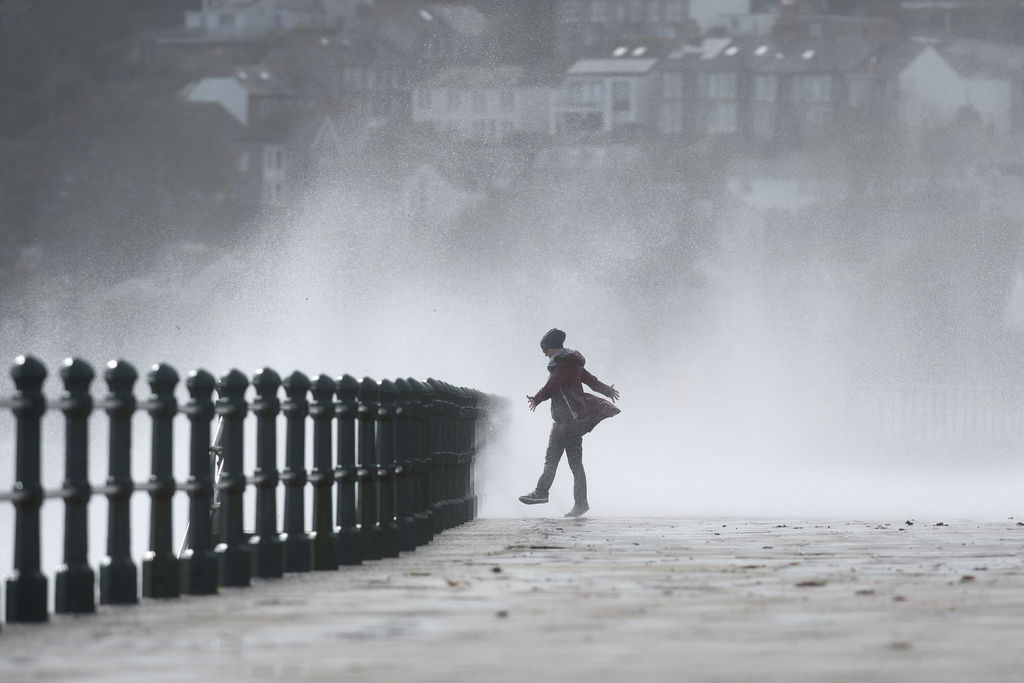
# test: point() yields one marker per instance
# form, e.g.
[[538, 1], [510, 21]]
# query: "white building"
[[487, 104], [607, 94], [934, 93]]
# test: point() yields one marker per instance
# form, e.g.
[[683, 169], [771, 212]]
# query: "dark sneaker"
[[577, 511], [533, 498]]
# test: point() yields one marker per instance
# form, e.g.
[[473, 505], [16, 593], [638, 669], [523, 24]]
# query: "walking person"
[[574, 412]]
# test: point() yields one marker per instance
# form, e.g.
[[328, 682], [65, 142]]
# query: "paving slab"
[[594, 599]]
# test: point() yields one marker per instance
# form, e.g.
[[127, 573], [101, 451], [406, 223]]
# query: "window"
[[584, 93], [479, 100], [812, 88], [672, 83], [243, 162], [508, 100], [453, 98], [423, 99], [273, 158], [599, 11], [225, 20], [765, 88], [718, 86], [622, 99]]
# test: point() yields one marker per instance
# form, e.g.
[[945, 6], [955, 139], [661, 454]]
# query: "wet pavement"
[[595, 599]]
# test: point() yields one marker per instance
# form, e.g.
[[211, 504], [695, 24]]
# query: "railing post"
[[369, 527], [459, 455], [118, 574], [233, 550], [200, 567], [298, 546], [322, 475], [386, 470], [476, 412], [75, 582], [345, 473], [405, 453], [267, 543], [26, 585], [466, 455], [439, 455], [424, 515], [161, 573]]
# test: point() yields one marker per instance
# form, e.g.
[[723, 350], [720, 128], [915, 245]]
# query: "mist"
[[819, 332]]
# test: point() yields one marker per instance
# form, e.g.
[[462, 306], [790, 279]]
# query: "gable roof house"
[[927, 83], [250, 94]]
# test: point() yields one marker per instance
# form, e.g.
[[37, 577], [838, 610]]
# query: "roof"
[[807, 55], [768, 55], [613, 65], [257, 80]]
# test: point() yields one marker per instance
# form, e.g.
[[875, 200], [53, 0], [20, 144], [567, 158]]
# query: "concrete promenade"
[[593, 599]]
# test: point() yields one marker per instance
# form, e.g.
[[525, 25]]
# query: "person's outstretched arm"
[[597, 385]]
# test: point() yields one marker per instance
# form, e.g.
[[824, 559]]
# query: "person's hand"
[[614, 396], [532, 402]]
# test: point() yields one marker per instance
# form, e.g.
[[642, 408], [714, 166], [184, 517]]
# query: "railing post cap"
[[233, 384], [200, 382], [296, 382], [162, 378], [120, 374], [266, 381], [323, 387], [28, 371], [347, 384], [75, 371]]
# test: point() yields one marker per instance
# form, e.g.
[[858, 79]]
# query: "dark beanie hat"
[[553, 339]]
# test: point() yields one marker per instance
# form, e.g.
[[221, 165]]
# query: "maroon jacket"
[[565, 386]]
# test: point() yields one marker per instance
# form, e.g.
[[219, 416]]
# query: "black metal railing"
[[397, 457]]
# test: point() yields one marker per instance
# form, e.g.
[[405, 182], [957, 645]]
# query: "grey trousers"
[[566, 437]]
